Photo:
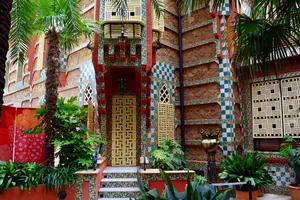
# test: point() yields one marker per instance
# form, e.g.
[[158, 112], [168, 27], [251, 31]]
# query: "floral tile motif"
[[119, 175], [92, 186], [119, 194], [119, 184]]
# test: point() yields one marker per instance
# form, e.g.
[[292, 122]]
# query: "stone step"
[[118, 182], [132, 192], [120, 172]]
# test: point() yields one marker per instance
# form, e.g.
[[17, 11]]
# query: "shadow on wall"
[[14, 144]]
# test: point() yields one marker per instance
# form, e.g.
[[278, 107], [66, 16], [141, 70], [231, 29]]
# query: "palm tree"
[[263, 41], [62, 25], [5, 7]]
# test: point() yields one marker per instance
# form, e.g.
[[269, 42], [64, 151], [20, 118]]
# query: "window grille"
[[88, 95], [274, 108], [165, 116]]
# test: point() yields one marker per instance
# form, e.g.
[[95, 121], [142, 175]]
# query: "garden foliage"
[[73, 140], [168, 156], [250, 167]]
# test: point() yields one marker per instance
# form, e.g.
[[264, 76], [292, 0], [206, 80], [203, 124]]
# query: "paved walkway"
[[272, 197]]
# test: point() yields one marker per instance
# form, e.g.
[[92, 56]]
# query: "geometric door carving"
[[123, 130]]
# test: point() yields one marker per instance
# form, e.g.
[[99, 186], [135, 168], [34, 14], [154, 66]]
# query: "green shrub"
[[195, 190], [57, 177], [250, 167], [291, 150], [22, 175], [72, 140], [168, 156]]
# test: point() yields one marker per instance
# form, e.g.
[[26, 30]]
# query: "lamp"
[[88, 46]]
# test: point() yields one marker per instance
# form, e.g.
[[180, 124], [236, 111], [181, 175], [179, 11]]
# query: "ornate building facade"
[[153, 78]]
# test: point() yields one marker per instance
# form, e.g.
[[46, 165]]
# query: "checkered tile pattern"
[[63, 59], [225, 10], [163, 71], [226, 91], [162, 74], [282, 174], [87, 77], [87, 71]]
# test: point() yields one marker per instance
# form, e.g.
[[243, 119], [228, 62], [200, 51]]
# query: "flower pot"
[[244, 195], [295, 192], [260, 192]]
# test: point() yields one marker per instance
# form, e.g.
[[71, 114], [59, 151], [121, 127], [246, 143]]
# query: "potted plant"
[[250, 167], [291, 150]]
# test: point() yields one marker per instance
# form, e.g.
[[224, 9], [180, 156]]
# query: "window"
[[274, 111], [165, 115], [88, 95]]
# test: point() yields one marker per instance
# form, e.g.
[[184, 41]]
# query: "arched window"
[[165, 115], [88, 102], [88, 95]]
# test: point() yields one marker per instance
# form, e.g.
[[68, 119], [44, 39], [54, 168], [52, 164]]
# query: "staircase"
[[119, 183]]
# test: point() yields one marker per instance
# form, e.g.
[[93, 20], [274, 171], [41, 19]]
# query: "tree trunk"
[[5, 7], [52, 82]]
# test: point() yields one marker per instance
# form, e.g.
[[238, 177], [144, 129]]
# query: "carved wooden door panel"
[[124, 131]]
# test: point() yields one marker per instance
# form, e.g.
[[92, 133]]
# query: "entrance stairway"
[[119, 183]]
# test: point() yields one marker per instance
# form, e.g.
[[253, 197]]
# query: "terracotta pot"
[[295, 192], [244, 195], [260, 192]]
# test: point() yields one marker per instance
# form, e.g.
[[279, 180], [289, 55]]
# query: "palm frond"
[[158, 7], [121, 8], [72, 13], [188, 6], [22, 18], [262, 45]]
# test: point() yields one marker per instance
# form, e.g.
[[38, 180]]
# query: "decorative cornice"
[[172, 28], [208, 121], [207, 101], [168, 44], [198, 44], [202, 24]]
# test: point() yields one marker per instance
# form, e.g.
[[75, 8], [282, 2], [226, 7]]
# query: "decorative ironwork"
[[165, 116], [291, 103], [266, 110], [210, 143], [124, 131], [88, 95]]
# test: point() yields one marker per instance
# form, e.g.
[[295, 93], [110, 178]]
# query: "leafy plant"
[[168, 156], [22, 175], [293, 155], [71, 139], [250, 167], [57, 177], [195, 190]]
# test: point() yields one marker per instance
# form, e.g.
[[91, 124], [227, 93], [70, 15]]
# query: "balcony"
[[133, 23], [157, 26]]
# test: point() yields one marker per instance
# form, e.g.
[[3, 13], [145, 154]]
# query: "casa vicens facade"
[[167, 77]]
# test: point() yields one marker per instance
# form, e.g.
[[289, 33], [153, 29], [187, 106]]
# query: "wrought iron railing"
[[95, 156]]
